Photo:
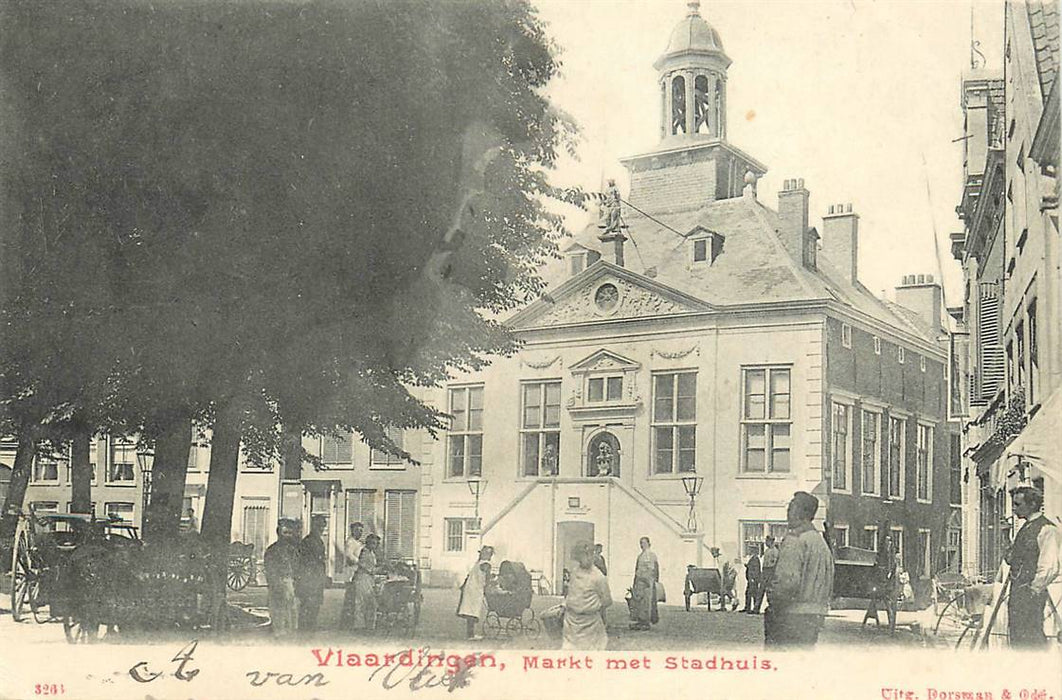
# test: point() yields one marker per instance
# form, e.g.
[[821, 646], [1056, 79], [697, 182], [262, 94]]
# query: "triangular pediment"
[[605, 292], [604, 360]]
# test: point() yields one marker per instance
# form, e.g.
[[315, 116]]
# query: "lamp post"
[[692, 485], [476, 486], [144, 458]]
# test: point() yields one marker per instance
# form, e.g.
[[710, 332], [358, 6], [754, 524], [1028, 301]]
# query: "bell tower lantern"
[[694, 163], [692, 74]]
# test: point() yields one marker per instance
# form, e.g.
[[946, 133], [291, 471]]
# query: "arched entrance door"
[[603, 455]]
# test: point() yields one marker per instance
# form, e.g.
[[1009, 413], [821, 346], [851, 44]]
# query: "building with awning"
[[1010, 254]]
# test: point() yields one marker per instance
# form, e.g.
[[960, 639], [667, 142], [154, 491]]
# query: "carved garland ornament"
[[540, 365], [696, 348]]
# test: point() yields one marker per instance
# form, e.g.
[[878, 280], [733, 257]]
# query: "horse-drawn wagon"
[[98, 578]]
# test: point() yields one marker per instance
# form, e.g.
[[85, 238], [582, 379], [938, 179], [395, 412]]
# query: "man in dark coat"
[[280, 562], [752, 589], [311, 574], [1033, 559]]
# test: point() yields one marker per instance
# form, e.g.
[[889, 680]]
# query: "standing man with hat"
[[1033, 559]]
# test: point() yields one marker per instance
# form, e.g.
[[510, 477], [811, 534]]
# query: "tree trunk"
[[221, 483], [16, 490], [168, 472], [220, 498], [81, 472]]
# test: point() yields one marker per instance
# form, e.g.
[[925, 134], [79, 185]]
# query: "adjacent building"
[[351, 483], [1011, 362], [699, 356]]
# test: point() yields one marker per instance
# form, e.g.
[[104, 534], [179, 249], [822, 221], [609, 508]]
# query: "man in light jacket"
[[799, 594]]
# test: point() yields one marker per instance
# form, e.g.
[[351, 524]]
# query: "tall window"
[[337, 449], [753, 535], [379, 458], [841, 452], [1019, 338], [455, 534], [465, 442], [897, 545], [925, 553], [400, 520], [361, 508], [895, 467], [123, 457], [700, 105], [678, 105], [766, 420], [1034, 359], [674, 422], [540, 428], [925, 463], [256, 524], [871, 452]]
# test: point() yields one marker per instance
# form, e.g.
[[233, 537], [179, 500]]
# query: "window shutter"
[[990, 347], [361, 508], [400, 517]]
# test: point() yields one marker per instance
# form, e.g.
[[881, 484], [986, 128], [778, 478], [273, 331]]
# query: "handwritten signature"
[[142, 673], [394, 674]]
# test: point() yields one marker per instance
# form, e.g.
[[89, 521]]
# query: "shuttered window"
[[256, 526], [361, 508], [400, 518], [989, 344], [337, 449]]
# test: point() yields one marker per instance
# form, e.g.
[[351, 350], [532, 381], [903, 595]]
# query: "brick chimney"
[[793, 212], [923, 295], [840, 239]]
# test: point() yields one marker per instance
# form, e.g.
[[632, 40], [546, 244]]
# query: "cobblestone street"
[[677, 630]]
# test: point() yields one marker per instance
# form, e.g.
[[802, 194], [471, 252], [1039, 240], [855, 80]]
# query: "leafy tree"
[[300, 211]]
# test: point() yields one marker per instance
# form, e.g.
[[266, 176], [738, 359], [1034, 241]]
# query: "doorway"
[[569, 534]]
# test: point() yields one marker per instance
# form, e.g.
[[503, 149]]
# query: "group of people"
[[759, 572], [296, 573], [795, 577]]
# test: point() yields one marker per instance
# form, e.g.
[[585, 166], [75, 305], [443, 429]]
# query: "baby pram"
[[398, 597], [509, 611]]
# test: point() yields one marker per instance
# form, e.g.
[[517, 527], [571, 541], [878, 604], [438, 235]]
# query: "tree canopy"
[[213, 202]]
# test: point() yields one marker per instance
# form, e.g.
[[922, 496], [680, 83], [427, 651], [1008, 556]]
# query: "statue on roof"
[[610, 209]]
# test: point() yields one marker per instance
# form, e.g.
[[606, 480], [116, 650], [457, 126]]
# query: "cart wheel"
[[35, 604], [79, 632], [492, 626], [25, 569], [239, 575]]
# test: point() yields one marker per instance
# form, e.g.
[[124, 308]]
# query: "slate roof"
[[1043, 23], [754, 266]]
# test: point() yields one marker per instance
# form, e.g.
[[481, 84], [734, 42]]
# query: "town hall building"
[[684, 393]]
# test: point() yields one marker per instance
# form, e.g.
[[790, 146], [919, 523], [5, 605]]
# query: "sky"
[[860, 98]]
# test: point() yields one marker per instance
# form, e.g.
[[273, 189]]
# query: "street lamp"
[[476, 486], [692, 485], [144, 458]]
